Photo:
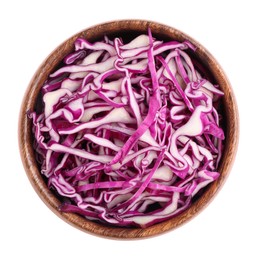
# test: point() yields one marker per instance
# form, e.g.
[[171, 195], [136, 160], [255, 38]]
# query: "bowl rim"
[[26, 151]]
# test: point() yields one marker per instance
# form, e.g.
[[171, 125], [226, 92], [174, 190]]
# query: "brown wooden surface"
[[127, 29]]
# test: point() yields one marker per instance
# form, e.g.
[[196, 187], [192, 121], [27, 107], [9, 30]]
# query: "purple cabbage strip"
[[129, 132]]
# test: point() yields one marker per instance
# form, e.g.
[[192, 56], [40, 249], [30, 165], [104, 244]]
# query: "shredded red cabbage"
[[128, 133]]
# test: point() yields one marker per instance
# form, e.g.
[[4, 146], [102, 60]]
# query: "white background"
[[229, 228]]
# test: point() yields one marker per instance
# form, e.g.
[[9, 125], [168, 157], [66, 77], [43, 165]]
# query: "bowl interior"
[[128, 29]]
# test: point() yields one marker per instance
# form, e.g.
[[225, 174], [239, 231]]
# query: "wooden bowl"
[[127, 29]]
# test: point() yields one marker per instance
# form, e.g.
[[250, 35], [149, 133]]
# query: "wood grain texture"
[[127, 29]]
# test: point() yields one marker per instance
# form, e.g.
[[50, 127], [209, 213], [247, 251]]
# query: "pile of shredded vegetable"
[[128, 133]]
